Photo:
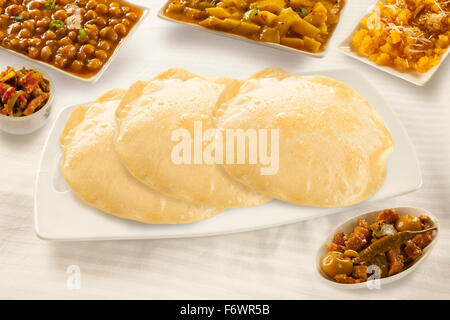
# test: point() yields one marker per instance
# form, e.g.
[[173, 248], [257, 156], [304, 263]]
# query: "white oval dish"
[[28, 124], [348, 226]]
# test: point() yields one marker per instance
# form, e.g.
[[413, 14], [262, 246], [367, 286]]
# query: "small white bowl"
[[416, 78], [36, 120], [348, 226]]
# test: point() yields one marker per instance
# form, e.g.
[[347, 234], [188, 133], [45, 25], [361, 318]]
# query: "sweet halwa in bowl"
[[409, 35], [408, 38]]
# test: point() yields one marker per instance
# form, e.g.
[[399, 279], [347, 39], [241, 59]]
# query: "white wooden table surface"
[[275, 263]]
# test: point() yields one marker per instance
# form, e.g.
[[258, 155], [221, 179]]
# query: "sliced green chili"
[[50, 5], [56, 24], [251, 13], [302, 12], [82, 33]]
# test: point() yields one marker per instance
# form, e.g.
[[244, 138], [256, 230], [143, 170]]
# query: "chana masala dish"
[[77, 36], [301, 24], [408, 35], [22, 92], [390, 244]]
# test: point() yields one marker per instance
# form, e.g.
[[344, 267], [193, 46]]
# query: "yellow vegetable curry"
[[301, 24]]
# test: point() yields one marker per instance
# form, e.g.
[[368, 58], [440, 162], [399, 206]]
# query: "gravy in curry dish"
[[301, 24], [77, 36]]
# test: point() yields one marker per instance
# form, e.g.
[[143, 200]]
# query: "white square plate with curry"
[[290, 29], [414, 77], [79, 39]]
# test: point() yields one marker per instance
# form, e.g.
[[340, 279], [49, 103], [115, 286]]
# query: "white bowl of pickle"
[[377, 247], [26, 96]]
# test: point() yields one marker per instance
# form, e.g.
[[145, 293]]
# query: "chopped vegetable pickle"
[[301, 24], [391, 244], [22, 92]]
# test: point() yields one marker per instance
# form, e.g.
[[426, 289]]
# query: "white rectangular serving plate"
[[96, 76], [416, 78], [60, 215], [277, 46]]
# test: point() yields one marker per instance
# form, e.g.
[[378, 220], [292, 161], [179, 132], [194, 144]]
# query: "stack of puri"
[[118, 151]]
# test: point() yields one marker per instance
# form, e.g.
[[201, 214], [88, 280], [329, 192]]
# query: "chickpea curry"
[[300, 24], [389, 245], [408, 35], [77, 36]]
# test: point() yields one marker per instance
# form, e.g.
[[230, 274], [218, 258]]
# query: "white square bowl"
[[417, 78], [277, 46], [96, 76]]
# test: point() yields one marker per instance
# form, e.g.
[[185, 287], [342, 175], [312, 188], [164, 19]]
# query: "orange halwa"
[[409, 35]]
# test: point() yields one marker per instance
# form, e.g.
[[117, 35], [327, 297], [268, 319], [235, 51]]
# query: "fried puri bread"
[[148, 116], [94, 172], [333, 145]]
